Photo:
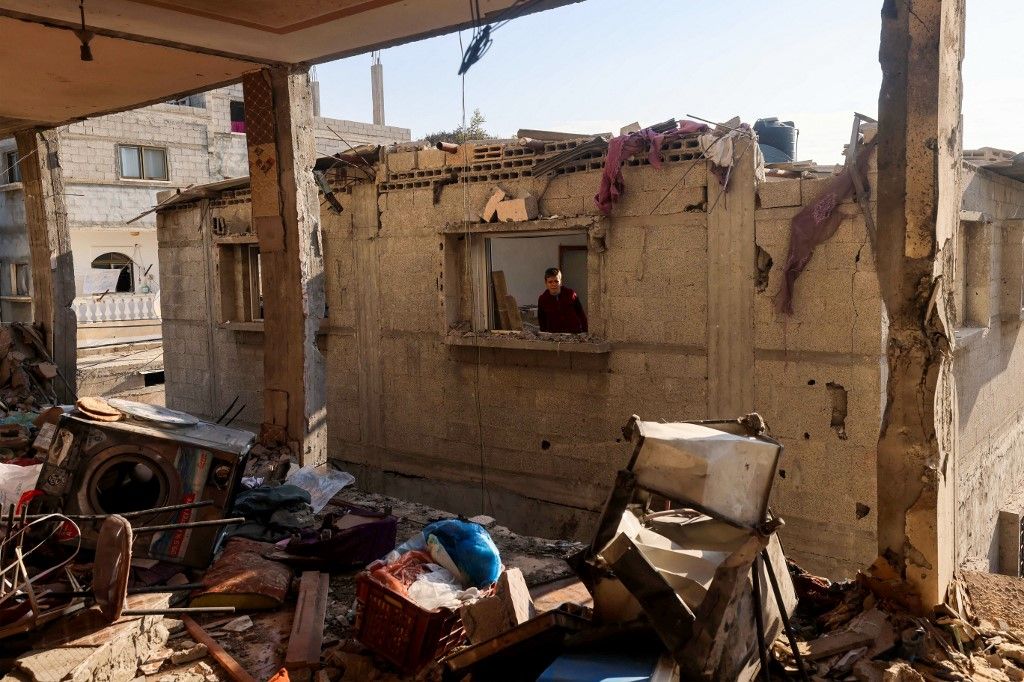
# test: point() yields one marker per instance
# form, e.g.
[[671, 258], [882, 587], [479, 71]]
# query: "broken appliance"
[[155, 458], [686, 541]]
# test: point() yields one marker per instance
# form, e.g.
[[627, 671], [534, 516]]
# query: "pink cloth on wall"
[[623, 147], [815, 224]]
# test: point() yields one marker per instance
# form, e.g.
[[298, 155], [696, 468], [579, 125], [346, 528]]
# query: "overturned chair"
[[687, 540]]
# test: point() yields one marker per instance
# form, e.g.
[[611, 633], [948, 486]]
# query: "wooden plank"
[[501, 298], [308, 626], [223, 658], [515, 318]]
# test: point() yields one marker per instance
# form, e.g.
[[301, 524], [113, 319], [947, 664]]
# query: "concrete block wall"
[[831, 350], [987, 366], [534, 434]]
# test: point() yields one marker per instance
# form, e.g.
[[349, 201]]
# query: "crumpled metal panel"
[[727, 475]]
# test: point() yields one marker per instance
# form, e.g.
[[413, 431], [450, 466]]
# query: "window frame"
[[465, 284], [12, 167], [130, 266], [143, 177], [240, 282], [231, 116]]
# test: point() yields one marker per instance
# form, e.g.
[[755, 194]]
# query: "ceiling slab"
[[271, 16], [45, 81], [148, 51]]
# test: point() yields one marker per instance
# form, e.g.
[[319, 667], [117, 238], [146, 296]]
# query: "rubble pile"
[[261, 569], [26, 370], [874, 628]]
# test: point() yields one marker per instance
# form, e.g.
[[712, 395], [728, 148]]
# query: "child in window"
[[559, 309]]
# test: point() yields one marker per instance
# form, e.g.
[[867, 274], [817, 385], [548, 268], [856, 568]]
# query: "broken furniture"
[[703, 570], [146, 463]]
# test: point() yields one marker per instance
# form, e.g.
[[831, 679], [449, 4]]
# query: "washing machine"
[[162, 459]]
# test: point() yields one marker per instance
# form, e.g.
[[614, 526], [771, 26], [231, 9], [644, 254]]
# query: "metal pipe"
[[150, 589], [130, 515], [448, 147], [173, 610], [762, 646], [193, 524], [790, 635]]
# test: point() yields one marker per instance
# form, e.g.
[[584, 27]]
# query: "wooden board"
[[501, 298], [515, 319], [308, 626]]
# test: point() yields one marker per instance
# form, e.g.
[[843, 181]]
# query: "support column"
[[53, 270], [919, 157], [286, 217], [731, 284]]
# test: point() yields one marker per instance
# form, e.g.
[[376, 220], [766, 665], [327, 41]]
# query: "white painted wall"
[[139, 245], [524, 260]]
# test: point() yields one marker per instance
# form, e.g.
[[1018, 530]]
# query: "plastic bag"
[[438, 588], [15, 481], [321, 487]]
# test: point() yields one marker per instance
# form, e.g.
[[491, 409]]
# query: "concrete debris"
[[193, 653]]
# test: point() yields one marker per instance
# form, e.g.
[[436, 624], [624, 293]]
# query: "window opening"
[[237, 116], [117, 261], [12, 170], [517, 296], [142, 163], [241, 283], [21, 283]]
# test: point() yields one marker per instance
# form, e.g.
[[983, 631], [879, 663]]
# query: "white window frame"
[[142, 163]]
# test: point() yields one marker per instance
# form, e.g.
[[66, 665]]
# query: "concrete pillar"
[[919, 157], [377, 91], [53, 270], [286, 217], [731, 286]]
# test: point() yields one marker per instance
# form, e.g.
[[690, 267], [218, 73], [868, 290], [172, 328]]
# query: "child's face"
[[553, 284]]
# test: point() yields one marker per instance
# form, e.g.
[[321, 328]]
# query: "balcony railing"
[[116, 308]]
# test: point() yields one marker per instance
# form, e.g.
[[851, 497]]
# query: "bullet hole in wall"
[[838, 397]]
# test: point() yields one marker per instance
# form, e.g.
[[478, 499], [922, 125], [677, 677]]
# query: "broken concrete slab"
[[193, 653], [491, 208]]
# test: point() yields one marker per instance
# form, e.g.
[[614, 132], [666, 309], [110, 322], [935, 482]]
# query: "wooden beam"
[[501, 298], [307, 634], [223, 658], [53, 272], [286, 218]]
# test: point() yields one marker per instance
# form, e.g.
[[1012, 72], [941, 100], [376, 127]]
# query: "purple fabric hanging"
[[815, 224], [624, 146]]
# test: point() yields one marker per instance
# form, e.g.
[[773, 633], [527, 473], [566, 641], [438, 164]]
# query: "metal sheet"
[[724, 474]]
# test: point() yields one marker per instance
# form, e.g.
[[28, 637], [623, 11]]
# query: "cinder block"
[[780, 193], [812, 189], [401, 162], [516, 210], [427, 159]]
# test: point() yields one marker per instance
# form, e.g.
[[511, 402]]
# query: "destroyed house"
[[431, 395]]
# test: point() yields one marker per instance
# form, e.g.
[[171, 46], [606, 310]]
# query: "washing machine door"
[[127, 478]]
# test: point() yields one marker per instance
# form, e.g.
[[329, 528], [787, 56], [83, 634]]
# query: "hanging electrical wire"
[[481, 41]]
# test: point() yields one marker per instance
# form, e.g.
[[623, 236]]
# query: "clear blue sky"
[[601, 64]]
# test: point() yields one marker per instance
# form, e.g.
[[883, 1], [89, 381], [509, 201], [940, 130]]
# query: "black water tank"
[[777, 139]]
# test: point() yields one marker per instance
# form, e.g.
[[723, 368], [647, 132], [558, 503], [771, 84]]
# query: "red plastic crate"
[[398, 630]]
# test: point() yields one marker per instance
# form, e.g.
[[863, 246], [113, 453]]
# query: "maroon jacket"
[[561, 314]]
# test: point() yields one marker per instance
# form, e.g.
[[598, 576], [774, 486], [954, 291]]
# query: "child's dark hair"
[[552, 272]]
